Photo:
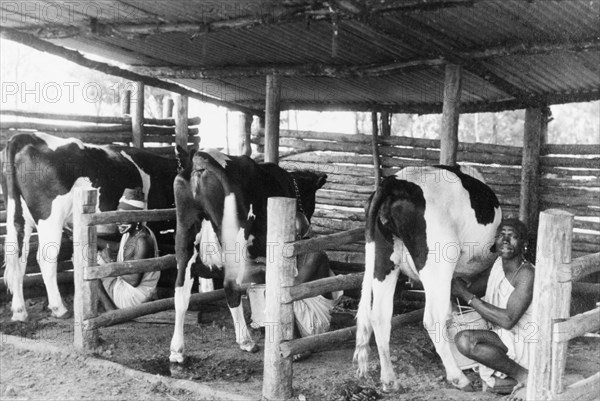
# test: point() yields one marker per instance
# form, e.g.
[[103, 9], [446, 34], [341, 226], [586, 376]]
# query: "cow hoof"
[[60, 312], [66, 315], [176, 357], [249, 346], [393, 387], [19, 316]]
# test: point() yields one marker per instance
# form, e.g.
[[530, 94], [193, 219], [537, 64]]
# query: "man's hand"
[[460, 288]]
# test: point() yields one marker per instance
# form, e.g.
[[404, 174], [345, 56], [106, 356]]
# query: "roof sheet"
[[343, 55]]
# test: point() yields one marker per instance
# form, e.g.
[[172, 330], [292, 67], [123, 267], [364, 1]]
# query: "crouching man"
[[137, 242]]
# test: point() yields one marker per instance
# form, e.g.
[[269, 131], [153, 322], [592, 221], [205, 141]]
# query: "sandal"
[[501, 386]]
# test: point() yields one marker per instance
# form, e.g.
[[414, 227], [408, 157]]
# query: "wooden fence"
[[570, 179], [159, 133], [551, 300]]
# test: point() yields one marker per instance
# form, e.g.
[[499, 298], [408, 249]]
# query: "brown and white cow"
[[430, 223], [39, 175], [228, 195]]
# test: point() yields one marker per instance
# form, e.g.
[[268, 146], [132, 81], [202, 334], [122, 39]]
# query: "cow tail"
[[15, 222], [364, 328]]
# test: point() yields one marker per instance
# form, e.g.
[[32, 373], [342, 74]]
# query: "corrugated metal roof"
[[354, 57]]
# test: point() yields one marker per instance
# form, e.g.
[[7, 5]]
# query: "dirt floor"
[[215, 361]]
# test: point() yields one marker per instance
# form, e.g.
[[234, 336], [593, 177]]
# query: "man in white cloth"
[[137, 242], [504, 352]]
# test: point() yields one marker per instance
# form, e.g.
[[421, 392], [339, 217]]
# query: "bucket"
[[464, 319], [256, 296]]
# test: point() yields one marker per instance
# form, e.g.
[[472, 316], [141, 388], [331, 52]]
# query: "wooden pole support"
[[126, 102], [272, 108], [375, 148], [530, 170], [85, 304], [137, 115], [450, 115], [551, 300], [181, 121], [167, 107], [244, 141], [281, 269]]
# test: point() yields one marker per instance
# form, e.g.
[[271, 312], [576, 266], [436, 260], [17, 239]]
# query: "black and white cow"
[[430, 223], [228, 195], [39, 175]]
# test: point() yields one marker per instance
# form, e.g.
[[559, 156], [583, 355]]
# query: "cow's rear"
[[429, 223]]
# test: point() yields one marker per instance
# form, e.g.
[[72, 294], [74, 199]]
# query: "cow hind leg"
[[16, 263], [436, 280], [182, 301], [381, 319], [50, 235]]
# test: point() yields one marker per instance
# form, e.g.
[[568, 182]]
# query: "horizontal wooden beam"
[[332, 339], [576, 326], [123, 216], [322, 243], [78, 58], [306, 70], [94, 119], [322, 286], [123, 315], [358, 71], [584, 266], [583, 390], [435, 108], [130, 267]]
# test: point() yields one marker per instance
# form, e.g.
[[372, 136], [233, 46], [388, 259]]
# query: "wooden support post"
[[167, 108], [375, 148], [450, 115], [260, 133], [181, 121], [137, 116], [386, 124], [126, 102], [530, 169], [272, 109], [85, 304], [551, 298], [245, 125], [281, 269]]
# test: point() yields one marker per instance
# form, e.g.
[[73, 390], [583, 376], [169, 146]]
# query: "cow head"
[[308, 183]]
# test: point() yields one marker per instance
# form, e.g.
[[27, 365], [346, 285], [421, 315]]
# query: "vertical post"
[[137, 117], [244, 126], [272, 109], [551, 297], [126, 102], [281, 269], [85, 304], [167, 108], [530, 169], [260, 133], [181, 121], [450, 115], [375, 148], [386, 125]]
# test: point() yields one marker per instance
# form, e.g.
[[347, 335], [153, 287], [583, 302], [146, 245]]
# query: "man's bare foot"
[[519, 393]]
